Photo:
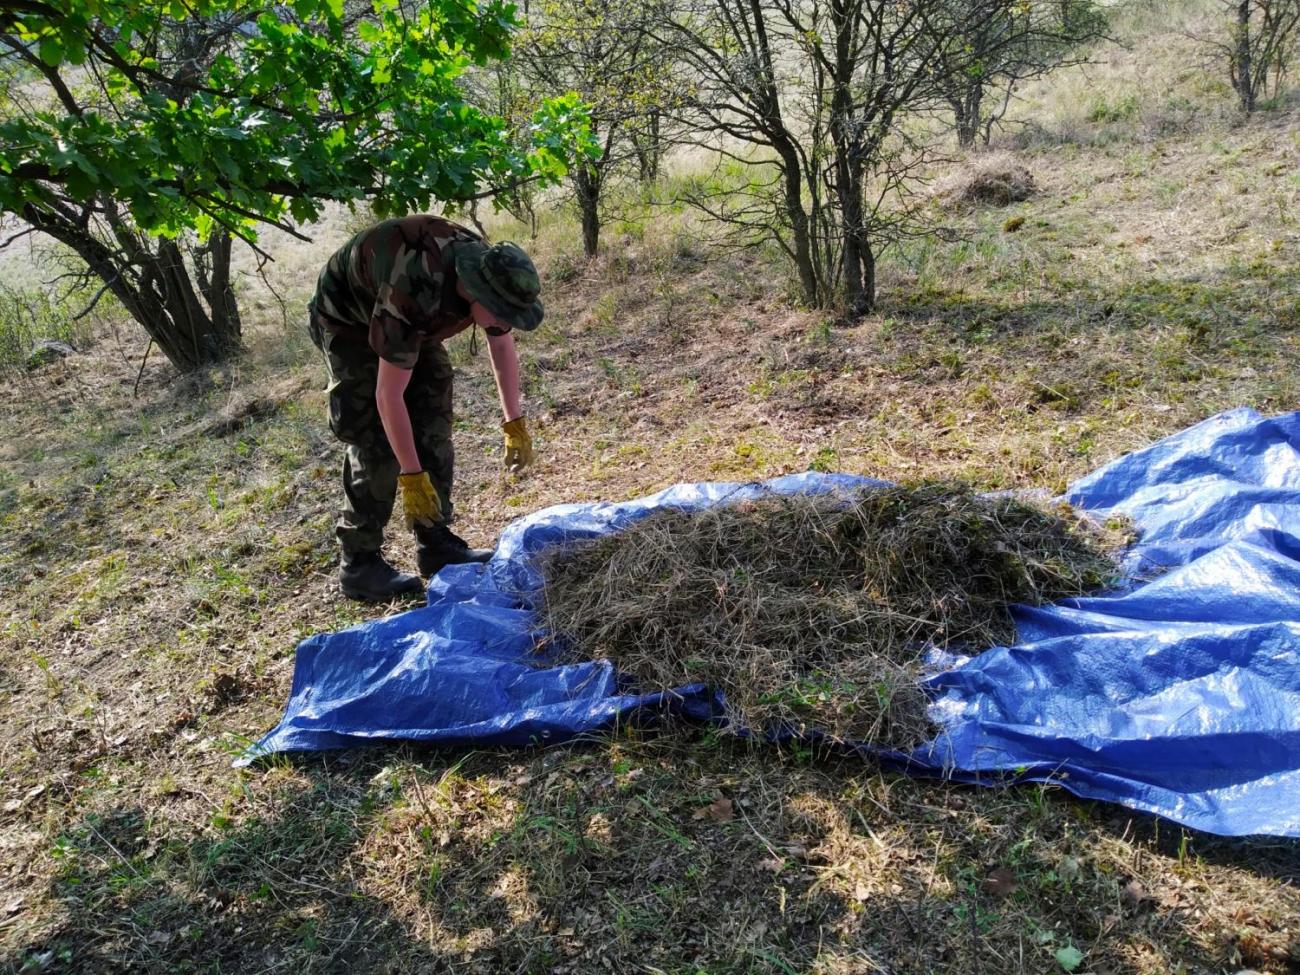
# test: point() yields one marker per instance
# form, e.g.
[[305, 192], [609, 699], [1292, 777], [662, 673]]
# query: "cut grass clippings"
[[814, 612]]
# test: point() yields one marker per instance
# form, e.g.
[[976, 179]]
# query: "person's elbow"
[[390, 387], [388, 403], [502, 342]]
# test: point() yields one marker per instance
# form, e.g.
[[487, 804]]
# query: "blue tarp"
[[1178, 694]]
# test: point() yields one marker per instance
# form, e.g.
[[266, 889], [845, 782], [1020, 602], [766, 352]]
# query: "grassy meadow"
[[158, 572]]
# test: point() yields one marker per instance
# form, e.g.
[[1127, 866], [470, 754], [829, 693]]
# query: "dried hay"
[[813, 612], [997, 179]]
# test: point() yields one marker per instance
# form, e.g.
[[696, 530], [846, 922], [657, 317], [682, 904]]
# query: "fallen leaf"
[[1069, 958], [720, 811], [1134, 894], [1001, 882], [860, 892]]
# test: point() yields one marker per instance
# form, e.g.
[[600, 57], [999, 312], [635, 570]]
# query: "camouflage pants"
[[369, 466]]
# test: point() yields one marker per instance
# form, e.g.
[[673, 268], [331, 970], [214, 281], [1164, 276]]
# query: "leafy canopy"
[[287, 106]]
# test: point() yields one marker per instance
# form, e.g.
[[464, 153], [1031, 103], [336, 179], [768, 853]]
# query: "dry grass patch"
[[998, 179], [814, 612]]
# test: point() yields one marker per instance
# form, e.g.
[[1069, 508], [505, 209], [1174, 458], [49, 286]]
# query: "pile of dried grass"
[[814, 611], [997, 179]]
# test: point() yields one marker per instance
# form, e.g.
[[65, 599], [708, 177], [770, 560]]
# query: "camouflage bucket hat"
[[504, 279]]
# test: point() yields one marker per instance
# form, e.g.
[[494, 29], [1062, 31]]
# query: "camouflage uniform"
[[389, 292]]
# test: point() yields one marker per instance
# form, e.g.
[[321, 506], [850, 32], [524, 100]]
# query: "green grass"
[[30, 315]]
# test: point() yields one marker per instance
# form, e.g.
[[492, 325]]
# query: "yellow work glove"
[[420, 502], [519, 446]]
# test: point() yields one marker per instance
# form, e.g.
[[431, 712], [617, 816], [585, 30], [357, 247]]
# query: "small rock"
[[48, 351]]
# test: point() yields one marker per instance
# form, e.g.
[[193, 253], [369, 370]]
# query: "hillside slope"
[[159, 568]]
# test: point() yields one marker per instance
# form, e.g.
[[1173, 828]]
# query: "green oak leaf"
[[1069, 958]]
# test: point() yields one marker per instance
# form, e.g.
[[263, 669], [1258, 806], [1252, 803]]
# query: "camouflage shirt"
[[389, 285]]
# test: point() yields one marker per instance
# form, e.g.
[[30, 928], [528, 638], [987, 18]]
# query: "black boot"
[[368, 576], [438, 545]]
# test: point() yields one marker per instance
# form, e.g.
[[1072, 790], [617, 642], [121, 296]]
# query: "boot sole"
[[373, 596], [432, 568]]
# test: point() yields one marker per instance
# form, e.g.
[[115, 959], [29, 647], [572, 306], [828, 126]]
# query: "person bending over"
[[385, 303]]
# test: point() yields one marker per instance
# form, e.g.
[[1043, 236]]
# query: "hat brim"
[[469, 268]]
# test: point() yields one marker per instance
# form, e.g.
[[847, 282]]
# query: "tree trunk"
[[858, 289], [966, 126], [586, 185], [645, 141], [212, 269], [1243, 70], [203, 334], [857, 260], [974, 103], [967, 103], [850, 203], [799, 230], [156, 289], [967, 130], [868, 256]]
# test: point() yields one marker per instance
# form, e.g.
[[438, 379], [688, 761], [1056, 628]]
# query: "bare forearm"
[[505, 368], [390, 400], [397, 427]]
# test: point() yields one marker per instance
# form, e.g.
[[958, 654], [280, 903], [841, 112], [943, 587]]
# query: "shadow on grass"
[[1253, 298], [673, 852], [269, 894]]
